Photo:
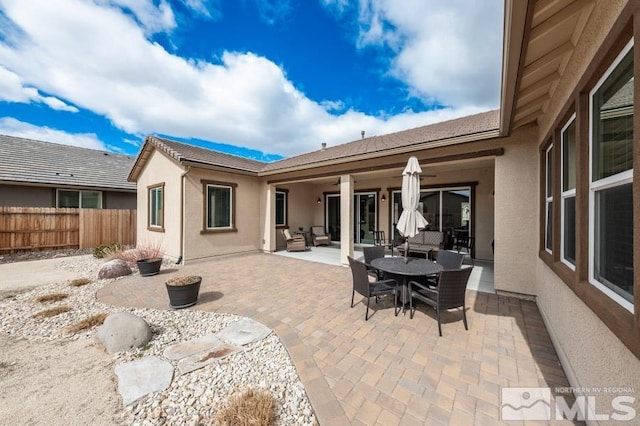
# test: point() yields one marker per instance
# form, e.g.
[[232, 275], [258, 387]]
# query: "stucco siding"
[[516, 214], [26, 196], [592, 356], [119, 200], [160, 169], [248, 215]]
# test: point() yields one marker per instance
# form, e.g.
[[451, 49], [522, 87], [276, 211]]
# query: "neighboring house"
[[549, 177], [43, 174]]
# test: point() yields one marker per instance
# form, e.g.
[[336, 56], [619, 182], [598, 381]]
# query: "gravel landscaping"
[[193, 398]]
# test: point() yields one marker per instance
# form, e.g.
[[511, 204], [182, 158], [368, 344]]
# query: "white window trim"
[[230, 188], [79, 191], [151, 207], [571, 193], [605, 183], [548, 199]]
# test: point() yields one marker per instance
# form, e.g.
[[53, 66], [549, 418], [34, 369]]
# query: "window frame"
[[151, 226], [205, 208], [285, 193], [80, 192], [570, 193], [613, 181], [548, 202]]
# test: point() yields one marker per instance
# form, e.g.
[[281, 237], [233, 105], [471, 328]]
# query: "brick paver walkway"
[[387, 371]]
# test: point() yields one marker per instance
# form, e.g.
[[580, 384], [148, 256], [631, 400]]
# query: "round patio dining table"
[[414, 267]]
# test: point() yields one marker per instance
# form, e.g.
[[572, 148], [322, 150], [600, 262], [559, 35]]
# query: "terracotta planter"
[[148, 267], [183, 291]]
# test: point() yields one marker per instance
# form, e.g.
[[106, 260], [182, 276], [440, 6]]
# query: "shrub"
[[104, 250], [52, 312], [92, 321], [252, 408], [79, 282], [144, 250], [55, 297]]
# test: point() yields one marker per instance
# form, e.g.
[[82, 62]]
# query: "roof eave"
[[209, 166], [472, 137], [515, 18]]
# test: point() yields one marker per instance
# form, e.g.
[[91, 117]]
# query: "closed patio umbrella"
[[411, 220]]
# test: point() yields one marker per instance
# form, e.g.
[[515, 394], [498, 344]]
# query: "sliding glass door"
[[365, 216]]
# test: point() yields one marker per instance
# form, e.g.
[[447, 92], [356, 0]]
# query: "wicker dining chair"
[[449, 294], [368, 289], [371, 253]]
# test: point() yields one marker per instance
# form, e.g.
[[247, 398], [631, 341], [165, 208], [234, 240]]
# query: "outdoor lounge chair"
[[363, 286], [449, 294], [320, 237], [294, 242]]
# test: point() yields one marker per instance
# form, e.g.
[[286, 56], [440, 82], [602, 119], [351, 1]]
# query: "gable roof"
[[470, 128], [46, 163]]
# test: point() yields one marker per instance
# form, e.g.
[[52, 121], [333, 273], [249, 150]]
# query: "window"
[[548, 239], [156, 207], [610, 191], [219, 206], [79, 199], [281, 208], [568, 203]]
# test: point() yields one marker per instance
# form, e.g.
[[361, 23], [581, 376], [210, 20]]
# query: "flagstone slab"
[[202, 359], [243, 332], [141, 377], [191, 347]]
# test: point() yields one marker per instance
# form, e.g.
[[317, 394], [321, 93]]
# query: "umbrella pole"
[[406, 250]]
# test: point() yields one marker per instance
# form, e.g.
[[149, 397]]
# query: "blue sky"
[[259, 78]]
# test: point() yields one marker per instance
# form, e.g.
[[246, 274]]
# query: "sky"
[[263, 79]]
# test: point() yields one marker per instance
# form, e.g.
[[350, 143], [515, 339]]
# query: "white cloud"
[[445, 51], [12, 127], [12, 90], [153, 18], [98, 58], [206, 8]]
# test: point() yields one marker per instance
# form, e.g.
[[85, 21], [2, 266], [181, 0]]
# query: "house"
[[42, 174], [547, 180]]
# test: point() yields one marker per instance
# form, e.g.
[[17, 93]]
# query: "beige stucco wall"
[[248, 215], [516, 213], [160, 169], [592, 356]]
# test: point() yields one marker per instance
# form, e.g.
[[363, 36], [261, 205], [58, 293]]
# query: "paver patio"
[[388, 370]]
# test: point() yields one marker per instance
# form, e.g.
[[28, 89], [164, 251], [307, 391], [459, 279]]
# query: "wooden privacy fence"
[[44, 228]]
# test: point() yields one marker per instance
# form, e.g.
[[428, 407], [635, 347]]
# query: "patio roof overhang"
[[539, 42]]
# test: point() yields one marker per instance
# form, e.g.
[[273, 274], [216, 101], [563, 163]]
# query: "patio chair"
[[363, 286], [320, 237], [294, 242], [449, 294], [467, 245], [448, 260], [371, 253]]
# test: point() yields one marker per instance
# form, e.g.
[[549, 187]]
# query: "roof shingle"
[[37, 162]]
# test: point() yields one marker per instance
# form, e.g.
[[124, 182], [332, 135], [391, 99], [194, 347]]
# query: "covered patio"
[[389, 370]]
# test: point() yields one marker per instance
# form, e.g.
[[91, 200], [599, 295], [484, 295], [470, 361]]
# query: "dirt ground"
[[57, 383]]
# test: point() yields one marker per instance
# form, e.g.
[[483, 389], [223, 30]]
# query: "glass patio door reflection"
[[365, 215]]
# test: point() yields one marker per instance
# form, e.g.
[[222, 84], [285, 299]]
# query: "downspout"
[[182, 207]]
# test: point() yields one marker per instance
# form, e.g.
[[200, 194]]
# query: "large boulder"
[[123, 331], [113, 269]]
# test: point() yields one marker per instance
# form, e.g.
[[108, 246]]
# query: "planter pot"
[[148, 267], [183, 291]]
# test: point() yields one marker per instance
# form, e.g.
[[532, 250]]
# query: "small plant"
[[252, 408], [144, 250], [105, 250], [79, 282], [52, 312], [92, 321], [184, 280], [55, 297]]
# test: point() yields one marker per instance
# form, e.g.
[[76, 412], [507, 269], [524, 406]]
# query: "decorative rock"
[[113, 269], [195, 362], [138, 378], [191, 347], [122, 331], [243, 332]]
